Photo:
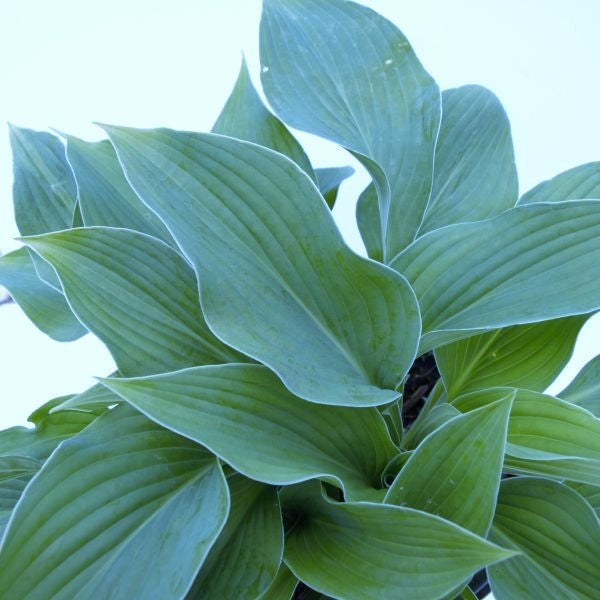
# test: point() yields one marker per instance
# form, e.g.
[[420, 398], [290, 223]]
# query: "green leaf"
[[44, 306], [246, 416], [105, 197], [474, 173], [356, 82], [427, 422], [531, 263], [463, 455], [329, 180], [528, 356], [10, 492], [245, 558], [546, 436], [282, 587], [44, 190], [277, 280], [584, 390], [590, 492], [558, 535], [580, 182], [362, 550], [18, 466], [245, 117], [94, 398], [137, 295], [125, 507], [50, 429], [369, 222]]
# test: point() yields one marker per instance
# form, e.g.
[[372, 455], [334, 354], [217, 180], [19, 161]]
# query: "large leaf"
[[546, 435], [137, 295], [427, 422], [18, 466], [580, 182], [369, 222], [558, 535], [377, 551], [474, 173], [246, 556], [584, 390], [44, 190], [528, 356], [45, 306], [357, 82], [244, 116], [105, 197], [531, 263], [246, 416], [276, 279], [126, 508], [464, 455]]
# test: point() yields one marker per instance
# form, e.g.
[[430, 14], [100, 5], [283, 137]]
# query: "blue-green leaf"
[[276, 279], [474, 173], [357, 82], [359, 550], [44, 190], [245, 117], [546, 436], [527, 356], [329, 180], [558, 535], [246, 416], [125, 508], [246, 556], [580, 182], [584, 390], [44, 306], [455, 472], [531, 263], [137, 294], [105, 197]]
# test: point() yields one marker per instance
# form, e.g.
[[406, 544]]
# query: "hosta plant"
[[287, 418]]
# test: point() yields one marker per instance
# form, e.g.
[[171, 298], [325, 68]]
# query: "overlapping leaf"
[[247, 417], [244, 116], [546, 435], [10, 492], [276, 279], [580, 182], [584, 390], [558, 535], [528, 356], [137, 295], [329, 180], [94, 398], [105, 197], [45, 306], [246, 556], [357, 82], [532, 263], [44, 190], [377, 551], [591, 493], [474, 174], [463, 455], [282, 587], [125, 508], [50, 429]]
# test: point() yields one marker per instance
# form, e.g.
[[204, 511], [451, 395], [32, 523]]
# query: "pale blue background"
[[66, 63]]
